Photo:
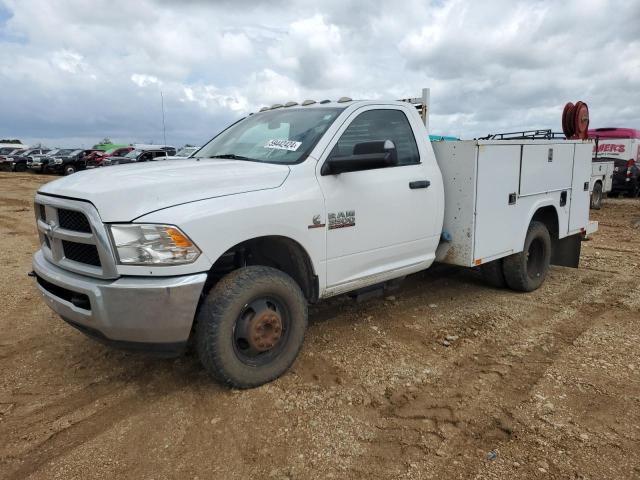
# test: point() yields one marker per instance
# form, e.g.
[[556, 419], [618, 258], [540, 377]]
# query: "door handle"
[[419, 184]]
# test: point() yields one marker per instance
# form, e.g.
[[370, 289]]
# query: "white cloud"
[[69, 61], [143, 80]]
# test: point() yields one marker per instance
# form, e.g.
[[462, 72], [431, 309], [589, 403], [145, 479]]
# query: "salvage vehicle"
[[135, 156], [291, 205], [38, 163], [19, 162], [622, 146], [186, 152], [67, 163], [94, 159], [9, 150], [7, 155]]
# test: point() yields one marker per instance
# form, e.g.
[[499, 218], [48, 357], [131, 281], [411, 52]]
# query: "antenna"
[[164, 131]]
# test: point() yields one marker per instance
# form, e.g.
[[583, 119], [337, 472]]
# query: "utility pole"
[[164, 131]]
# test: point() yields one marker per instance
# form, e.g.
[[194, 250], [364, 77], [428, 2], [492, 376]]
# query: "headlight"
[[149, 244], [57, 161]]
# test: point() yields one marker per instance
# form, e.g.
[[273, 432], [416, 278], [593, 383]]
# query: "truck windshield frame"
[[285, 136]]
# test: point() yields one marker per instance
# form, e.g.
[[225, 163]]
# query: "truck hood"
[[122, 193]]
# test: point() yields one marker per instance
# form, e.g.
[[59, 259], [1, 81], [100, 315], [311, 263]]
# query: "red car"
[[96, 159]]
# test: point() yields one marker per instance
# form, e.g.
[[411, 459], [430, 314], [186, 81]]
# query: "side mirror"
[[366, 156]]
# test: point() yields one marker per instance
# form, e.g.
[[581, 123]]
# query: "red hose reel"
[[575, 121]]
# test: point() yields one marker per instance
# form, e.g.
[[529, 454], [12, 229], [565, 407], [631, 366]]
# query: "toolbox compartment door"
[[497, 220], [579, 211], [546, 168]]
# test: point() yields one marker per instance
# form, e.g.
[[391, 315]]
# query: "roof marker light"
[[308, 102], [264, 109], [290, 104], [344, 99], [325, 101]]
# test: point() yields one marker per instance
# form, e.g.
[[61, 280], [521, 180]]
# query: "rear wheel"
[[526, 271], [251, 326], [596, 196]]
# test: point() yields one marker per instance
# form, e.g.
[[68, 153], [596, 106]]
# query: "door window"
[[380, 125]]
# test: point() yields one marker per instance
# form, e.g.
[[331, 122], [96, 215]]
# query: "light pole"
[[164, 131]]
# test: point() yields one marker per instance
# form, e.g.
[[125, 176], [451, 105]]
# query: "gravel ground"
[[446, 378]]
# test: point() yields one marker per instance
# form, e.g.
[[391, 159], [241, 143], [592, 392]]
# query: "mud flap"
[[566, 251]]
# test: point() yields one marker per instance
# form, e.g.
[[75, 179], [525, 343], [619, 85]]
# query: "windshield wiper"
[[233, 156]]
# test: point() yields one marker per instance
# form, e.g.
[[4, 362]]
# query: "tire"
[[234, 315], [526, 271], [69, 170], [596, 196], [492, 273]]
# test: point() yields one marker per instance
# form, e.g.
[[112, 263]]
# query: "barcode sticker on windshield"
[[290, 145]]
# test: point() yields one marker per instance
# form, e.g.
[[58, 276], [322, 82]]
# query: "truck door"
[[383, 220]]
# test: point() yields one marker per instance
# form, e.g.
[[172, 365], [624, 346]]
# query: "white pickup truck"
[[291, 205]]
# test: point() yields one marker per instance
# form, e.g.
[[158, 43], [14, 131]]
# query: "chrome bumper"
[[136, 310]]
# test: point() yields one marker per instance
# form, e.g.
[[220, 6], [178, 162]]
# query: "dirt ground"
[[540, 385]]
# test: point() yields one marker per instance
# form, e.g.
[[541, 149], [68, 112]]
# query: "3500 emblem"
[[342, 219]]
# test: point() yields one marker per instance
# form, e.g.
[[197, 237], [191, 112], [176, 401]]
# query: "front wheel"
[[526, 271], [251, 326], [596, 196], [69, 170]]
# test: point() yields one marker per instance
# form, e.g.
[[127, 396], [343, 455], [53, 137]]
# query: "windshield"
[[276, 136], [6, 150], [65, 151], [52, 152], [133, 153]]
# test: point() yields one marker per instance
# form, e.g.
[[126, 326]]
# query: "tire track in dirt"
[[471, 409], [86, 425]]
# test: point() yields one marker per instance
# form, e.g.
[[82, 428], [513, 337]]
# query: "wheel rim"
[[70, 170], [597, 197], [261, 331], [536, 259]]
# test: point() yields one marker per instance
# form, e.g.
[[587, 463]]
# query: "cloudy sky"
[[75, 71]]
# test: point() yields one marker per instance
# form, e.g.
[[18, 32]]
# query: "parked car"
[[135, 156], [186, 152], [6, 150], [39, 163], [94, 158], [67, 164], [19, 161], [144, 146], [6, 157], [97, 159]]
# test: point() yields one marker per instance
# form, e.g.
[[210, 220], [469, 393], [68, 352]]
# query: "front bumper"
[[141, 313], [622, 184]]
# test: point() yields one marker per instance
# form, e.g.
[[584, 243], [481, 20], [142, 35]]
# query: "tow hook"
[[31, 274]]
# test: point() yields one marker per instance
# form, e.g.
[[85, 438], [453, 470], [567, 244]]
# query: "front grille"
[[81, 252], [72, 220], [73, 237]]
